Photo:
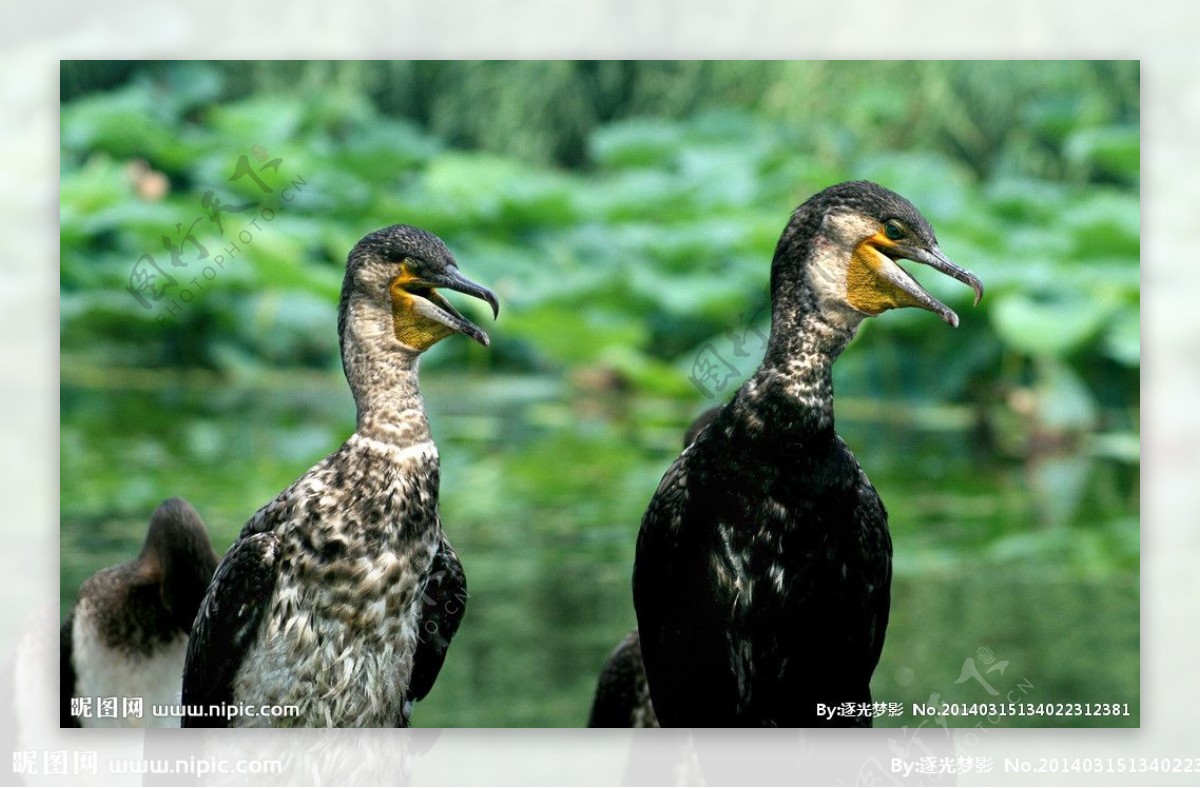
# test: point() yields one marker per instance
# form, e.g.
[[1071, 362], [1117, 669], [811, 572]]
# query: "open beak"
[[430, 304], [932, 257]]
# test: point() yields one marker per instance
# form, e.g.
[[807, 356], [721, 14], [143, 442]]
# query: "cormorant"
[[622, 695], [763, 573], [127, 633], [340, 596]]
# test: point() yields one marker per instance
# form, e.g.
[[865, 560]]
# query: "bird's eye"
[[893, 231]]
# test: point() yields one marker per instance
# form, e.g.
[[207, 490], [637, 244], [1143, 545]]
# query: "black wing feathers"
[[622, 699], [66, 673], [874, 514], [228, 623], [679, 607], [444, 604]]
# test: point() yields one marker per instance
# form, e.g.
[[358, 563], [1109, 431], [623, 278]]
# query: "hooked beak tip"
[[938, 261]]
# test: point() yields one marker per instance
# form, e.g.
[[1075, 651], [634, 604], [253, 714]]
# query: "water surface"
[[542, 493]]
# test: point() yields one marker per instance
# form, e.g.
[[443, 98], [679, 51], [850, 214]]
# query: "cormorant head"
[[398, 269], [178, 556], [843, 244]]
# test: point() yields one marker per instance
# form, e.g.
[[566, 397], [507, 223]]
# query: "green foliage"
[[656, 246], [626, 215]]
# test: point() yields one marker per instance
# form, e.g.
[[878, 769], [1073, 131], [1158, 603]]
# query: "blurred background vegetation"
[[625, 213]]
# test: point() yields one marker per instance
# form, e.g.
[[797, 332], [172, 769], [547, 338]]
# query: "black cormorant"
[[622, 697], [340, 597], [763, 571], [127, 633]]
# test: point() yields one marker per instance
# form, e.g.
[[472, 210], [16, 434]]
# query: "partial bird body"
[[342, 624], [622, 697], [778, 617], [127, 634], [107, 669], [340, 598], [763, 571]]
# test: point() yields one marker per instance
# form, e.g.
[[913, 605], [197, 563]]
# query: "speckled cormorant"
[[763, 573], [127, 633], [341, 595]]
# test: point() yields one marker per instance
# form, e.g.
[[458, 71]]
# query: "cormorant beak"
[[430, 304], [926, 255]]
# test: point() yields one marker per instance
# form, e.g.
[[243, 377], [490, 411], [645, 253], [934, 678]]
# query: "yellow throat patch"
[[867, 288], [411, 328]]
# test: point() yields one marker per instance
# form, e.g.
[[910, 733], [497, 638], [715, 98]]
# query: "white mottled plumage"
[[340, 632], [105, 671], [127, 634], [341, 595]]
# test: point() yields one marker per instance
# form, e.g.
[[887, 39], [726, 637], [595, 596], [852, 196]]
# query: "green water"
[[542, 492]]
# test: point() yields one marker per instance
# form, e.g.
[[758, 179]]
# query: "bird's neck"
[[796, 377], [383, 379]]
